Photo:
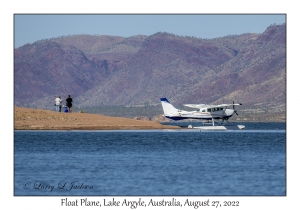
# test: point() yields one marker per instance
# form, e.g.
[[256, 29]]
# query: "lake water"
[[158, 162]]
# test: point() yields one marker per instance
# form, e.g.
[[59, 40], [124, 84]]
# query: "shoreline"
[[104, 128], [37, 119]]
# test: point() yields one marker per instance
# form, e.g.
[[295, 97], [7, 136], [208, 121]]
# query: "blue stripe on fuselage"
[[192, 118], [177, 118]]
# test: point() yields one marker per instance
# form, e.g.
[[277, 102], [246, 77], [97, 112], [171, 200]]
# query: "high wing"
[[199, 106]]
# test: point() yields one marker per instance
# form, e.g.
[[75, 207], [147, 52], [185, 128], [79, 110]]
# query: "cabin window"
[[203, 110], [209, 110]]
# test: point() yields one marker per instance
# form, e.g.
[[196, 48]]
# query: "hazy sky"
[[30, 28]]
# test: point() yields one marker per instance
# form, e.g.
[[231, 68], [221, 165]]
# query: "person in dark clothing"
[[69, 103]]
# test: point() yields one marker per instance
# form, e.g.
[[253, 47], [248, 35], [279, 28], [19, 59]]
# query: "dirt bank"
[[37, 119]]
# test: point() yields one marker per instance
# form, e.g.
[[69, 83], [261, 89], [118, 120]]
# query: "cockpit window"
[[216, 109]]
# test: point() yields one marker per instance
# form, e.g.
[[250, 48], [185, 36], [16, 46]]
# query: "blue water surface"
[[151, 163]]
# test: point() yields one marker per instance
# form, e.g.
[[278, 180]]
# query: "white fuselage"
[[205, 113]]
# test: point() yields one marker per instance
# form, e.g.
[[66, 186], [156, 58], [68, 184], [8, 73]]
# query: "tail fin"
[[169, 109]]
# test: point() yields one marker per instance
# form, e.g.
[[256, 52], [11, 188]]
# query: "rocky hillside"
[[137, 71]]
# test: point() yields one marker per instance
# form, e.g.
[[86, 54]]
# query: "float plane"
[[203, 112]]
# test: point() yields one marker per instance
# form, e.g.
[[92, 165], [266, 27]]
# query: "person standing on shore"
[[60, 103], [57, 103], [69, 103]]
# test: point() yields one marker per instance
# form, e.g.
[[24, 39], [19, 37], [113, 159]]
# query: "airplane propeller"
[[234, 108]]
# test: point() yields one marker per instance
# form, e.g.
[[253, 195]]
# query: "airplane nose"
[[229, 112]]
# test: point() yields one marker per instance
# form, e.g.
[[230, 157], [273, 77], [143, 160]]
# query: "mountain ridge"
[[138, 70]]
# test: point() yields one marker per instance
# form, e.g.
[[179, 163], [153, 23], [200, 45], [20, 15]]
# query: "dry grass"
[[37, 119]]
